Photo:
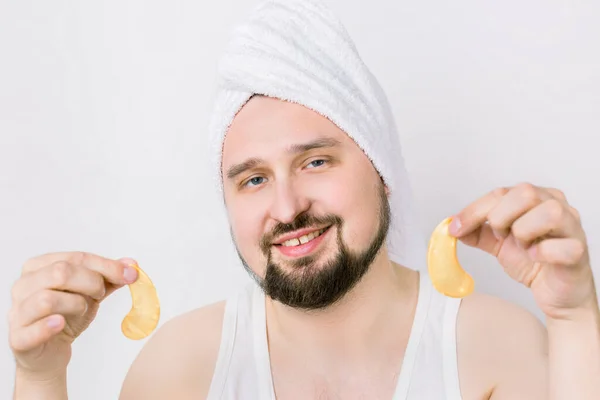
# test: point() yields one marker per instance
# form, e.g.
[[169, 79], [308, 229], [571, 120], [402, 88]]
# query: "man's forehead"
[[279, 126], [264, 113]]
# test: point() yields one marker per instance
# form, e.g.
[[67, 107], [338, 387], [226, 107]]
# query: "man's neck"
[[381, 304]]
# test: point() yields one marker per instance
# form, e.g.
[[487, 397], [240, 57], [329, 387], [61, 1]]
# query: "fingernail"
[[130, 274], [455, 226], [54, 321], [128, 261]]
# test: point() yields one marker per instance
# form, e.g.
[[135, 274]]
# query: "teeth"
[[291, 242], [303, 239]]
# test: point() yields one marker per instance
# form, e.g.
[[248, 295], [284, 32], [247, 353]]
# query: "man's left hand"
[[539, 240]]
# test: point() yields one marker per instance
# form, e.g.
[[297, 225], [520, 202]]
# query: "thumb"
[[482, 238], [129, 272]]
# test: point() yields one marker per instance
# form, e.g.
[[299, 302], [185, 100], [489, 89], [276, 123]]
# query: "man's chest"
[[297, 377], [305, 386]]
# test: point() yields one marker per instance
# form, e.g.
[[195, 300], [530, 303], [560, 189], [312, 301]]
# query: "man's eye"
[[316, 163], [257, 180]]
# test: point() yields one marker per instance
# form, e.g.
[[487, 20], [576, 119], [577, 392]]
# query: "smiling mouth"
[[303, 239]]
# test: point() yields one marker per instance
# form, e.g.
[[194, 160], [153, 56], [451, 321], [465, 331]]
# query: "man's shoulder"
[[488, 312], [208, 317], [179, 359], [500, 344]]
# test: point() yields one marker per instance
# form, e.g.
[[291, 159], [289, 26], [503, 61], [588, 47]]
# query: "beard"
[[313, 285]]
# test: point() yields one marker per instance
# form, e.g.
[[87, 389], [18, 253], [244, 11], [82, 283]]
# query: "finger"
[[518, 201], [575, 214], [557, 194], [26, 338], [130, 275], [559, 251], [48, 302], [483, 238], [113, 271], [560, 195], [475, 214], [61, 275], [549, 219]]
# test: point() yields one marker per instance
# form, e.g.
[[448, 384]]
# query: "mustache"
[[303, 220]]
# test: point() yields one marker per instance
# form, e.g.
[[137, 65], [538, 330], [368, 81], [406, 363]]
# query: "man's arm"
[[522, 352], [575, 355], [560, 363], [27, 387], [178, 361], [503, 350]]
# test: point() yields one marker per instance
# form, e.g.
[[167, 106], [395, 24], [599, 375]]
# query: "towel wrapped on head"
[[299, 51]]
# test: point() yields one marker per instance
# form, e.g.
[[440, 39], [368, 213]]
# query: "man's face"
[[307, 209]]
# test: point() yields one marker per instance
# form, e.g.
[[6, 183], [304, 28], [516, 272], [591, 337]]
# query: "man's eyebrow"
[[240, 168], [250, 163], [315, 144]]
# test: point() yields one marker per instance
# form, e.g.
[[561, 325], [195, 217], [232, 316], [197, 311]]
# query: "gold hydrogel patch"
[[447, 275], [143, 317]]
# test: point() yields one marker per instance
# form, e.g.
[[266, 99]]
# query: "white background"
[[103, 109]]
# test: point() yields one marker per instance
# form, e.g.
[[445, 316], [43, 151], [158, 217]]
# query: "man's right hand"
[[54, 301]]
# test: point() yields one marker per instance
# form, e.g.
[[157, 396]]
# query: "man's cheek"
[[339, 196]]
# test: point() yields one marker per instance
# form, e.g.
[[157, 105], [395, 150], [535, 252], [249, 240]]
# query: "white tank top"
[[429, 370]]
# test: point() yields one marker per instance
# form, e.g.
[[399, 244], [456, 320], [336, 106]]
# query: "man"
[[309, 165]]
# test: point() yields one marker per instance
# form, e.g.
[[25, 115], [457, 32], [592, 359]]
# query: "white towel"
[[297, 50]]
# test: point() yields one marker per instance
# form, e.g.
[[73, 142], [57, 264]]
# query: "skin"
[[503, 351]]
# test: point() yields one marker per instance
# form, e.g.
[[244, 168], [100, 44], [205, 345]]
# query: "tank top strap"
[[262, 358], [416, 333], [228, 333], [430, 368], [449, 349]]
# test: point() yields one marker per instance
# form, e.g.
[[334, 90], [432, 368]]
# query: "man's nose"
[[288, 202]]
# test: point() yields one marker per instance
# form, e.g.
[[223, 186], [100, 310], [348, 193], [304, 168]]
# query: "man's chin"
[[313, 262]]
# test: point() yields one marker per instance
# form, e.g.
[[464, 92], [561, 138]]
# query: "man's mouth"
[[302, 245], [304, 238]]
